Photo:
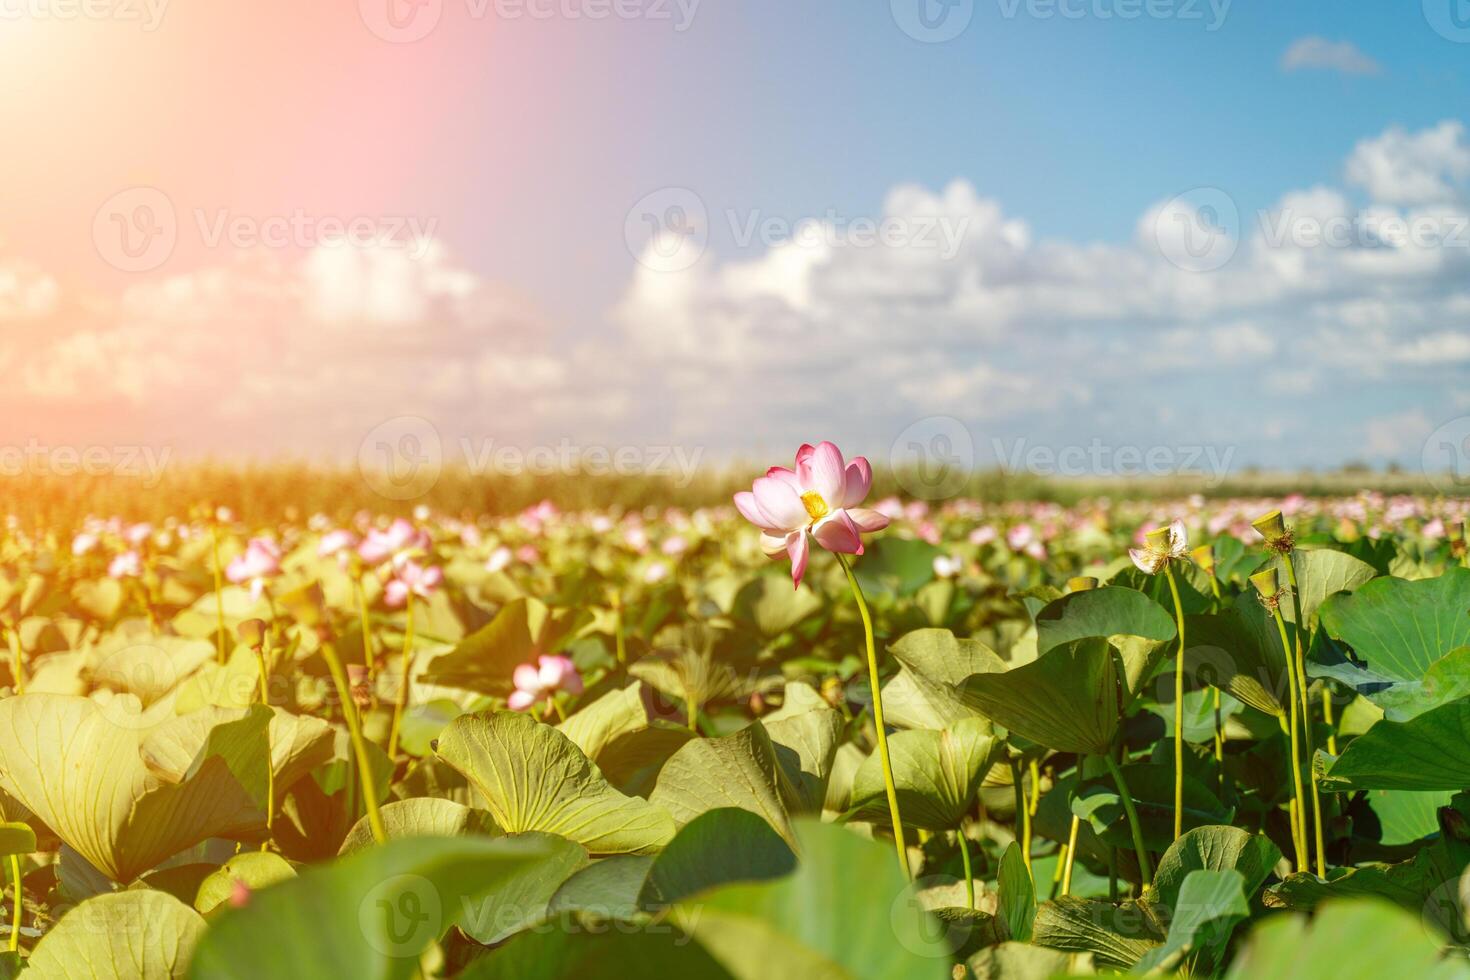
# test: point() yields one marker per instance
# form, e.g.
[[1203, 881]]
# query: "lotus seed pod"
[[1081, 583], [1267, 582], [1157, 539], [1271, 526], [1204, 557]]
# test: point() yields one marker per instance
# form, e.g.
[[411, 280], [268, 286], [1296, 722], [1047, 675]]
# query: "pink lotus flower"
[[136, 534], [261, 560], [125, 565], [1161, 546], [83, 543], [538, 682], [499, 559], [820, 497], [335, 541], [411, 578], [395, 544]]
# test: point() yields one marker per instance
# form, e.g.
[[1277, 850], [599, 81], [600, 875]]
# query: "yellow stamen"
[[816, 507]]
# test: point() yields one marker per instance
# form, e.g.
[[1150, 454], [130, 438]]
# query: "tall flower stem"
[[1307, 738], [1300, 833], [359, 746], [219, 597], [15, 923], [1178, 708], [1071, 856], [17, 663], [969, 873], [874, 687], [402, 700], [1023, 813], [1145, 865], [270, 768]]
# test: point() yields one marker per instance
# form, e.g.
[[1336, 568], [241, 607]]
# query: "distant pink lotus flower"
[[538, 682], [947, 566], [261, 560], [982, 535], [675, 545], [499, 559], [1020, 536], [820, 497], [396, 544], [411, 578], [136, 534], [656, 573], [335, 541], [127, 564], [527, 554], [83, 543]]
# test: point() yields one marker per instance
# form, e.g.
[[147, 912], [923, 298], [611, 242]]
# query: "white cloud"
[[1319, 53], [1427, 167], [1397, 436]]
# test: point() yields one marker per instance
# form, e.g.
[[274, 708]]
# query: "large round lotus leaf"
[[932, 664], [1358, 939], [368, 915], [716, 848], [1399, 628], [739, 770], [253, 869], [1320, 573], [421, 816], [81, 768], [1428, 752], [1239, 650], [1215, 848], [846, 912], [1065, 699], [936, 775], [142, 934], [534, 778]]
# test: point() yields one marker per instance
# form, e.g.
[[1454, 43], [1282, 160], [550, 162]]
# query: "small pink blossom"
[[499, 559], [1020, 536], [538, 682], [411, 578], [261, 560], [675, 545], [335, 541], [396, 544], [126, 564], [136, 534], [982, 535], [83, 543], [656, 573], [818, 499]]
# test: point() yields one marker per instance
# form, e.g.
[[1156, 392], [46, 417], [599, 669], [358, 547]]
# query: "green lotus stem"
[[1327, 719], [1071, 856], [17, 664], [401, 702], [1300, 833], [270, 768], [359, 746], [219, 597], [1178, 708], [969, 874], [362, 618], [1023, 815], [1308, 740], [1145, 866], [15, 923], [873, 683], [691, 710], [620, 643]]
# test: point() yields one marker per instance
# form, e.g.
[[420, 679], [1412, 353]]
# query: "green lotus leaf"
[[1428, 752], [145, 934], [1022, 961], [370, 914], [1362, 939], [1209, 905], [1215, 848], [845, 912], [82, 769], [1116, 935], [534, 778], [556, 954], [1405, 817], [1239, 651], [741, 770], [1016, 894], [523, 897], [421, 816], [1320, 574], [936, 774], [1137, 626], [1065, 699], [1401, 628], [485, 660], [772, 607], [254, 869], [719, 847], [621, 711], [16, 838], [932, 664]]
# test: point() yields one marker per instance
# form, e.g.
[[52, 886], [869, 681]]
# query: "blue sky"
[[1074, 159]]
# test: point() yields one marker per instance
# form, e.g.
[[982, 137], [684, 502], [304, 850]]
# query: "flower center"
[[816, 507]]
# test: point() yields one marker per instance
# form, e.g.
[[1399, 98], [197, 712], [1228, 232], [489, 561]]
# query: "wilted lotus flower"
[[538, 682], [395, 544], [820, 497], [412, 579], [125, 565], [1161, 546], [336, 541], [261, 560]]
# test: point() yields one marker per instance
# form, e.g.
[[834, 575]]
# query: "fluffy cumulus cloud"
[[1229, 318], [303, 355], [1321, 54]]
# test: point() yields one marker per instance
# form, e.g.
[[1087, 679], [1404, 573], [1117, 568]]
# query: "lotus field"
[[805, 732]]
